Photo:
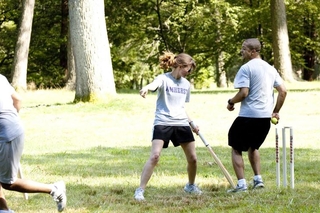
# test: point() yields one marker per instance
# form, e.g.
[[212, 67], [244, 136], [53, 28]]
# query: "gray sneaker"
[[242, 188], [59, 195], [258, 184], [138, 194], [192, 189]]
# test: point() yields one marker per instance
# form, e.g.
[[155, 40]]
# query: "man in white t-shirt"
[[11, 147], [256, 81]]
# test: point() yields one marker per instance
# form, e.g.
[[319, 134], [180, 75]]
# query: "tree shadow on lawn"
[[106, 162], [121, 168]]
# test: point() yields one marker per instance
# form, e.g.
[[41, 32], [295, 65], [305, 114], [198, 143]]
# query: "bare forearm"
[[280, 101], [241, 94], [282, 94], [237, 98], [17, 102]]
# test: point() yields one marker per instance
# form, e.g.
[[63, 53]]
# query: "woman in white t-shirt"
[[171, 121]]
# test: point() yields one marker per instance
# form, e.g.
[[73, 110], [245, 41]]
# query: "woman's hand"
[[143, 92]]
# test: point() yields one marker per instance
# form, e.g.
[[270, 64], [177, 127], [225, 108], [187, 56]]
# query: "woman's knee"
[[154, 158], [192, 159]]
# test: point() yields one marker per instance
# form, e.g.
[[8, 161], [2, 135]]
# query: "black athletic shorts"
[[248, 132], [177, 134]]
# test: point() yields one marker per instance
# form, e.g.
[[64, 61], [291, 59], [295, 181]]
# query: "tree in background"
[[44, 68], [64, 31], [71, 67], [282, 57], [20, 63], [139, 30], [89, 41], [304, 37], [10, 16], [132, 30]]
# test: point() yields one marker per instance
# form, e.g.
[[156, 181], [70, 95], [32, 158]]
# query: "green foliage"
[[140, 30], [8, 24], [303, 30], [44, 53], [44, 57], [131, 50]]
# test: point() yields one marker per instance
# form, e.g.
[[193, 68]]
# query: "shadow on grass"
[[118, 170], [104, 161]]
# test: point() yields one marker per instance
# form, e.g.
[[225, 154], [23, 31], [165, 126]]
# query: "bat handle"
[[203, 139], [192, 124]]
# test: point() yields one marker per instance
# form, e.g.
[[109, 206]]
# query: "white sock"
[[53, 188], [257, 177], [242, 182]]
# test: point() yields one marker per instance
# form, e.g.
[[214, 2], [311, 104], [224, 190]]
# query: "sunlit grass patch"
[[100, 150]]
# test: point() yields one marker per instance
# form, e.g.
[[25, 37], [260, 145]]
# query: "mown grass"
[[99, 150]]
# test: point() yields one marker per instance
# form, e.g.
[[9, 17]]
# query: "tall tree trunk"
[[280, 40], [221, 78], [71, 70], [67, 57], [64, 34], [89, 40], [309, 55], [20, 62], [309, 61]]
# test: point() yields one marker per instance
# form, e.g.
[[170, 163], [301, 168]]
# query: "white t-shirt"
[[10, 125], [172, 95], [6, 90], [261, 78]]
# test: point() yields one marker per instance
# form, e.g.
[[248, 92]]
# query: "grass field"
[[99, 151]]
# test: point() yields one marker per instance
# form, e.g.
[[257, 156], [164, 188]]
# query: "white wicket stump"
[[20, 175], [284, 158]]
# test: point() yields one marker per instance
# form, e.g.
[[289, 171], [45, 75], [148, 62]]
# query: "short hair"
[[253, 44]]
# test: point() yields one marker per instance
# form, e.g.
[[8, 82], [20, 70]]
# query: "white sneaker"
[[242, 188], [192, 189], [58, 194], [138, 194], [258, 184], [6, 211]]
